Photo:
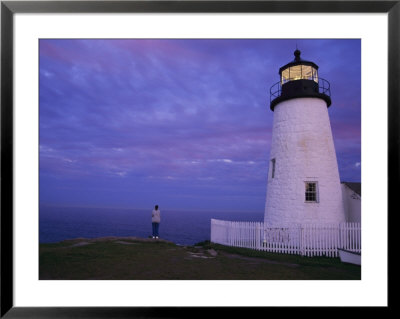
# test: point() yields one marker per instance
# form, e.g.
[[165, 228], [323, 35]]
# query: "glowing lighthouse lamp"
[[303, 178]]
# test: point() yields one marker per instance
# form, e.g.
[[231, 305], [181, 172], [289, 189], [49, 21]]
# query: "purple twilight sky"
[[185, 124]]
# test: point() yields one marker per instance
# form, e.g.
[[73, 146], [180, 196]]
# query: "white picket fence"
[[302, 239]]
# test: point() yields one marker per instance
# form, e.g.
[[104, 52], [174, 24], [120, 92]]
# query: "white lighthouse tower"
[[303, 178]]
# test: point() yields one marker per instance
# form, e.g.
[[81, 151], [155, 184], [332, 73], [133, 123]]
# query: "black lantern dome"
[[299, 78]]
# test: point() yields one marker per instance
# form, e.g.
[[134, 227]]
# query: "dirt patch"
[[200, 252], [198, 255], [212, 252]]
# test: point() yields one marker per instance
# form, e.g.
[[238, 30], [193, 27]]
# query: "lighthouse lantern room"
[[299, 78]]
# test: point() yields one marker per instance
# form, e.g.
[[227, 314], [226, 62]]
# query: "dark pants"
[[155, 228]]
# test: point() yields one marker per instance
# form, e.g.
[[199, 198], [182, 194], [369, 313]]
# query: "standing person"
[[155, 221]]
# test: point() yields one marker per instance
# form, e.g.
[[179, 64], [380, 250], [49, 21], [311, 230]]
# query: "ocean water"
[[181, 227]]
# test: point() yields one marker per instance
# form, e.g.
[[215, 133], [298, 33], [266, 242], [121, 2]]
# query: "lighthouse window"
[[307, 72], [285, 76], [311, 193], [295, 72], [273, 168], [315, 75]]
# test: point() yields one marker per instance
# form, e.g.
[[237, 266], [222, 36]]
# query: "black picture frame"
[[9, 8]]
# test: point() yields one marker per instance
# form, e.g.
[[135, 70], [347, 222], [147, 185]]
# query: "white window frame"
[[316, 192]]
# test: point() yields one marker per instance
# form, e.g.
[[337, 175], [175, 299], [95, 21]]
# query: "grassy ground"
[[135, 258]]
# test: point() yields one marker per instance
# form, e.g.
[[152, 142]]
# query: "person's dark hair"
[[156, 207]]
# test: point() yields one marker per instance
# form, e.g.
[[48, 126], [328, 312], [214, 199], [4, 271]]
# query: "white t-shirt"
[[155, 216]]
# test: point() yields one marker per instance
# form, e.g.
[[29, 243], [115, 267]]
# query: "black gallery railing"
[[324, 87]]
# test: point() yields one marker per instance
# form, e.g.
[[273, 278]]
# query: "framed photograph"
[[134, 124]]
